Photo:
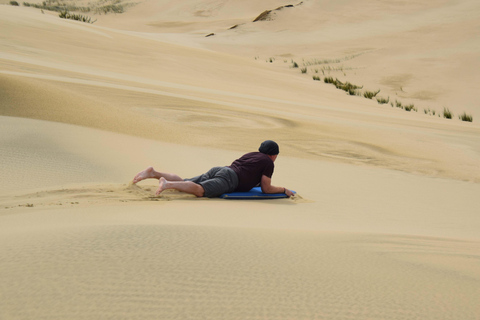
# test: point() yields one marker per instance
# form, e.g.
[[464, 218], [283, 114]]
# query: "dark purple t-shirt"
[[250, 168]]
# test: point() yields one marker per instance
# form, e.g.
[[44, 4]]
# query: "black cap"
[[269, 147]]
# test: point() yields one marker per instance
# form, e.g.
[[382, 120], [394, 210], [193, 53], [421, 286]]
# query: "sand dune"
[[92, 77], [145, 270], [365, 243], [391, 43], [385, 224]]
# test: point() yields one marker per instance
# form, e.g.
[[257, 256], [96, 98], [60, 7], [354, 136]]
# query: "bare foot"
[[162, 186], [145, 174]]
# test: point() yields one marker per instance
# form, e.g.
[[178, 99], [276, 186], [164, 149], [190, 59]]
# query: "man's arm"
[[267, 187]]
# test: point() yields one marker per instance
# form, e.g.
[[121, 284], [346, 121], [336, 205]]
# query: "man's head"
[[269, 147]]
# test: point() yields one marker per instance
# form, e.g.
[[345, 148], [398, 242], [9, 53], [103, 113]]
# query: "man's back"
[[250, 168]]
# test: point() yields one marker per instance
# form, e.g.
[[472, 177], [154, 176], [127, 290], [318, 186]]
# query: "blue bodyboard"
[[254, 194]]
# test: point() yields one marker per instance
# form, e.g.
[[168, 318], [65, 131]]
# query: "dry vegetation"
[[355, 90], [98, 7]]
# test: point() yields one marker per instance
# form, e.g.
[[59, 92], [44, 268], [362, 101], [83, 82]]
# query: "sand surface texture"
[[387, 218]]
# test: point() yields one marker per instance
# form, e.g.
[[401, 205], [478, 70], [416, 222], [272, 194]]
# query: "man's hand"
[[267, 187], [289, 193]]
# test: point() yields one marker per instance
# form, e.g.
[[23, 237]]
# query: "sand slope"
[[386, 222], [363, 243], [148, 271], [153, 89]]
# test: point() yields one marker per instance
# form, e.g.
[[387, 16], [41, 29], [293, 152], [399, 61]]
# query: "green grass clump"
[[447, 114], [14, 3], [351, 89], [316, 78], [410, 107], [329, 80], [383, 101], [304, 70], [370, 94], [465, 117], [67, 15], [295, 65]]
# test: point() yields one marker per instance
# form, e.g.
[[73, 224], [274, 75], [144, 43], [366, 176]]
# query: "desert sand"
[[386, 221]]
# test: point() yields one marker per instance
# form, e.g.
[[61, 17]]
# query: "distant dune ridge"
[[372, 103], [267, 14]]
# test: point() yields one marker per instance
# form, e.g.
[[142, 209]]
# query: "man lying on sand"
[[252, 169]]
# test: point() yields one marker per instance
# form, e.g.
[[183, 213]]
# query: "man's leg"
[[184, 186], [150, 173]]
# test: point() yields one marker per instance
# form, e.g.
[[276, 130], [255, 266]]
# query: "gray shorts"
[[217, 181]]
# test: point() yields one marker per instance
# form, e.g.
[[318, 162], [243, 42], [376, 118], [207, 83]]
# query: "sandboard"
[[254, 194]]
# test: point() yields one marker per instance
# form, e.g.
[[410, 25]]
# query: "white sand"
[[386, 222]]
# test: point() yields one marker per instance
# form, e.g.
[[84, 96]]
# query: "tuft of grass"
[[383, 101], [67, 15], [447, 114], [316, 78], [465, 117], [352, 92], [410, 107], [295, 65], [351, 89], [370, 94], [304, 70], [14, 3], [329, 80]]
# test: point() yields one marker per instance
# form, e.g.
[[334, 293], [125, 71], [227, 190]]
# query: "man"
[[252, 169]]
